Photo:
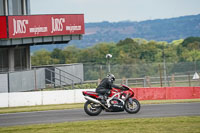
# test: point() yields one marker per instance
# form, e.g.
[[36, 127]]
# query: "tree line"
[[127, 51]]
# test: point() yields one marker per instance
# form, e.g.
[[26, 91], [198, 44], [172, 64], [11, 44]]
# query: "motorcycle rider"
[[105, 86]]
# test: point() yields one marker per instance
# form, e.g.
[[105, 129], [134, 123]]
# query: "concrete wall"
[[22, 81], [41, 98], [27, 80], [3, 83], [75, 96], [73, 69], [4, 99]]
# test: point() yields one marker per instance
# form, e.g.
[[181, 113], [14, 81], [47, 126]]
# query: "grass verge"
[[40, 108], [80, 105], [137, 125]]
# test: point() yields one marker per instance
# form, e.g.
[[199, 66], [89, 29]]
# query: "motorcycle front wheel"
[[132, 108], [92, 109]]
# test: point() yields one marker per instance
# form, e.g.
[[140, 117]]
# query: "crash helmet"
[[111, 76]]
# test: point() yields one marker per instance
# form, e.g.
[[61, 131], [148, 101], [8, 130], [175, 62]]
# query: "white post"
[[108, 56]]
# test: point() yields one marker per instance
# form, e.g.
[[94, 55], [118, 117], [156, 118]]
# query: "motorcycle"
[[117, 101]]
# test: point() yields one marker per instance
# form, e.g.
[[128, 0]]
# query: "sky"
[[118, 10]]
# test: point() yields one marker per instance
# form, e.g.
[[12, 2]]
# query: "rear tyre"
[[132, 108], [92, 109]]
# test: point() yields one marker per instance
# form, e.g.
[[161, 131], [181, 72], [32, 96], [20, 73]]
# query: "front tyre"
[[133, 107], [92, 109]]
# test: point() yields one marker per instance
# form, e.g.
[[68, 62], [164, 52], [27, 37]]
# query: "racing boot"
[[103, 99]]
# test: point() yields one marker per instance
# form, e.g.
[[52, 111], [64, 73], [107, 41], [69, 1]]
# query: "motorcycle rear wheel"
[[132, 108], [92, 109]]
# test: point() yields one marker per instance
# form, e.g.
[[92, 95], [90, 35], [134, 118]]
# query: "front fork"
[[130, 100]]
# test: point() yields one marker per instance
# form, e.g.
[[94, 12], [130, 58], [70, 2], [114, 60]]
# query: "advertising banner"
[[3, 27], [45, 25]]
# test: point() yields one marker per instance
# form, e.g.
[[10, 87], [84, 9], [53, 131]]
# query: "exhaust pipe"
[[96, 101], [92, 100]]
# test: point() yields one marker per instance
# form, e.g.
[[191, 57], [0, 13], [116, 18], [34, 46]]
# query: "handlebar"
[[124, 88]]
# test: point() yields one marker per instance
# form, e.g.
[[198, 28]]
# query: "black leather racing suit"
[[105, 86]]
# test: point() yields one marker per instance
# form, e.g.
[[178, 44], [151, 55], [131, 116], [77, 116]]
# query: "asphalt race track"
[[54, 116]]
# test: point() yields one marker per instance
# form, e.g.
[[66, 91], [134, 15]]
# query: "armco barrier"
[[164, 93]]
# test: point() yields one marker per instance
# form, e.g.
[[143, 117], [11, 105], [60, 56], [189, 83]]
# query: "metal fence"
[[141, 70], [171, 81], [145, 75], [133, 75]]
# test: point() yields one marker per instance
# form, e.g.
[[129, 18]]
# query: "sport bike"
[[117, 101]]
